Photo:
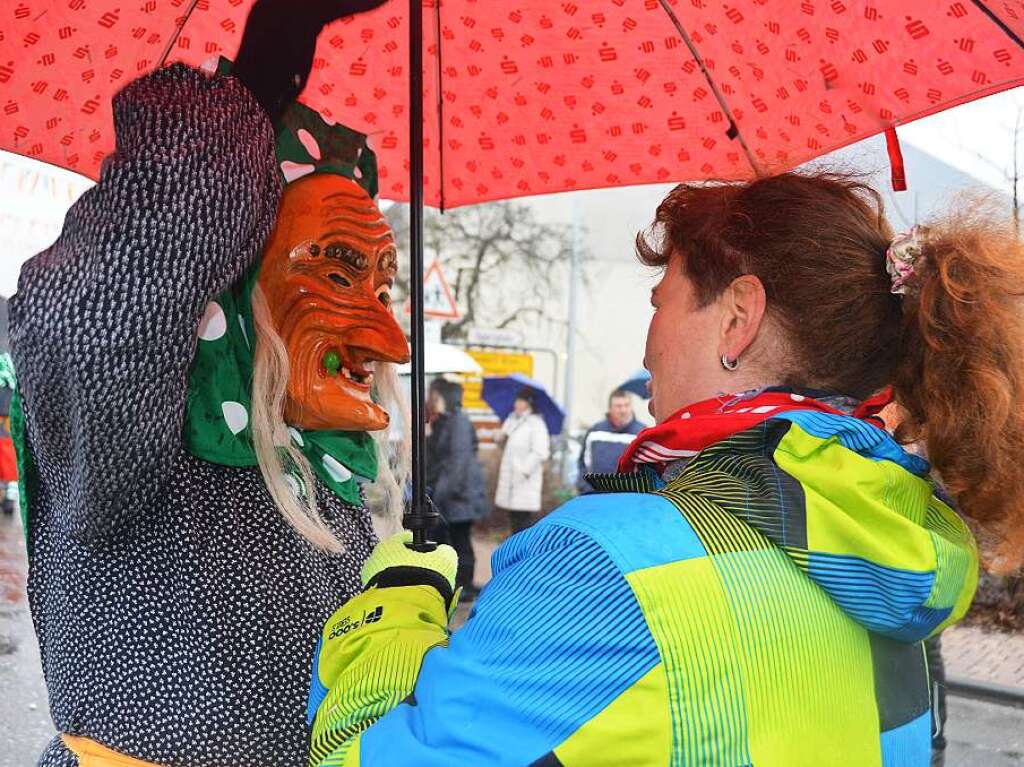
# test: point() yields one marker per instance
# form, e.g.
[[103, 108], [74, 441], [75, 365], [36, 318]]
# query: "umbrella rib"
[[999, 22], [734, 130], [440, 100], [177, 32]]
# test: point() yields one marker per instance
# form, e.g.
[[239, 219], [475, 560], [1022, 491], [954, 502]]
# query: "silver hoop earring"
[[728, 364]]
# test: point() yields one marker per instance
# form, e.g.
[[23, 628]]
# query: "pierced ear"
[[744, 305]]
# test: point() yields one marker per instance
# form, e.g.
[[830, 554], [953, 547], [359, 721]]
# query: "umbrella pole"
[[421, 515]]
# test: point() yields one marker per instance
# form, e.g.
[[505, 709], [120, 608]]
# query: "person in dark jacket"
[[454, 476], [608, 439], [176, 597]]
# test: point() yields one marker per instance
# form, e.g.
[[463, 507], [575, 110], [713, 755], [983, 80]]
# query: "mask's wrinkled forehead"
[[354, 230]]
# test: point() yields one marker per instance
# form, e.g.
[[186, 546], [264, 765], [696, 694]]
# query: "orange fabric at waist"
[[93, 754]]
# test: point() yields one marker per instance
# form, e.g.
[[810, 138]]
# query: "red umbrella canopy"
[[535, 96]]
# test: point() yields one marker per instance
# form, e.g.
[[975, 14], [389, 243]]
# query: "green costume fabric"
[[17, 429], [218, 428], [217, 421]]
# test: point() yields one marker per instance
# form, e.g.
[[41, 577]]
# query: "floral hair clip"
[[903, 258]]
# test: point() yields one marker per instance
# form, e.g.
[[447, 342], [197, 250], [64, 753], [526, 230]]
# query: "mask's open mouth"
[[354, 374], [359, 376]]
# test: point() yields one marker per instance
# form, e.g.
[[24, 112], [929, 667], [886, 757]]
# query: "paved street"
[[980, 734], [24, 719], [971, 653]]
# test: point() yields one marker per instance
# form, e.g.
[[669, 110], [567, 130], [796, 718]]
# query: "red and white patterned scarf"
[[695, 427]]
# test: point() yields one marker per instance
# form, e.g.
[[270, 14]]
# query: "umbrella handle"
[[419, 521]]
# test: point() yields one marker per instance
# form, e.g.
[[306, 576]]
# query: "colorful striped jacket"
[[766, 607]]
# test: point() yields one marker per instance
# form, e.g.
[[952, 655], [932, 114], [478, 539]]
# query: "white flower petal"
[[295, 170], [235, 415], [214, 324], [337, 471], [245, 333], [309, 143]]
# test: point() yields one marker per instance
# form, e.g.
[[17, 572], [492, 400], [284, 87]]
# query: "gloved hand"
[[393, 563], [370, 651], [276, 53]]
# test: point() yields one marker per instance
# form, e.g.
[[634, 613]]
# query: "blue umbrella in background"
[[500, 393], [637, 383]]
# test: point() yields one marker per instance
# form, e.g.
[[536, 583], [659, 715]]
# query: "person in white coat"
[[521, 476]]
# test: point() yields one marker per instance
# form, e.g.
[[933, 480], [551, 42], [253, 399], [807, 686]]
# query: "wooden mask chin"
[[327, 273]]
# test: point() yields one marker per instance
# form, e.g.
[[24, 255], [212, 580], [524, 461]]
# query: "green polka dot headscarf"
[[217, 421]]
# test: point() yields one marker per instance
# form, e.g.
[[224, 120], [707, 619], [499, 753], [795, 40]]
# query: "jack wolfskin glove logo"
[[348, 624]]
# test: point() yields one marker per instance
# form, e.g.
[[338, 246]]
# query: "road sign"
[[493, 363], [438, 301], [495, 337]]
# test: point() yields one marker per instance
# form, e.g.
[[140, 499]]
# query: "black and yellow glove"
[[371, 649]]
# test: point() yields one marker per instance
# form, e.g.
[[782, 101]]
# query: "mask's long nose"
[[382, 339]]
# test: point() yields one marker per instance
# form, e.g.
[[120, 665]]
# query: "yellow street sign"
[[494, 363]]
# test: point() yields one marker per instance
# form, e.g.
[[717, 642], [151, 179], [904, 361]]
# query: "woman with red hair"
[[755, 586]]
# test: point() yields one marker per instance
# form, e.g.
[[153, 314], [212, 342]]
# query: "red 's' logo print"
[[109, 19], [917, 28]]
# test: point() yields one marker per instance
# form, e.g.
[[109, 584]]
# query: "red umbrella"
[[539, 96]]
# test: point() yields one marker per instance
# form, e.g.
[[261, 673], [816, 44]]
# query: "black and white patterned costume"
[[177, 612]]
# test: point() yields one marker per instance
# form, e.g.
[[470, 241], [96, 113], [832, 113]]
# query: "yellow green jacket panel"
[[764, 608]]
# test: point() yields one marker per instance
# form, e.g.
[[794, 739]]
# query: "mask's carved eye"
[[388, 262], [304, 250], [339, 280], [384, 296], [352, 258]]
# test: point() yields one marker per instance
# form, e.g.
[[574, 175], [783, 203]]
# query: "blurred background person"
[[608, 439], [455, 477], [521, 475]]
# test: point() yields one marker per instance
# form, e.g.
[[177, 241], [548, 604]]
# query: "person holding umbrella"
[[527, 444], [199, 361], [756, 585]]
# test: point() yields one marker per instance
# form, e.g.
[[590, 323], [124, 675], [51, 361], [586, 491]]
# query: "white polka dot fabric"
[[177, 612]]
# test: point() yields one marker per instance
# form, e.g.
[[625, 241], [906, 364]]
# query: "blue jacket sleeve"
[[555, 637]]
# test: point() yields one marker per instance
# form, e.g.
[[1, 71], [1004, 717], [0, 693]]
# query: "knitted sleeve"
[[105, 321]]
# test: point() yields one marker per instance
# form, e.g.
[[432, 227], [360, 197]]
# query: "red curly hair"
[[952, 349]]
